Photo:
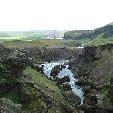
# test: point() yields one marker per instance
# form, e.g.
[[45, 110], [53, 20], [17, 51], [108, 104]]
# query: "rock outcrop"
[[7, 106], [94, 69], [111, 90]]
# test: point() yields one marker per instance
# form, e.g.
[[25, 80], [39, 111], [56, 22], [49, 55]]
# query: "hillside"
[[26, 89], [96, 34], [94, 66]]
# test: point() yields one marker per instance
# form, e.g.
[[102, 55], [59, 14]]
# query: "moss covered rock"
[[7, 106]]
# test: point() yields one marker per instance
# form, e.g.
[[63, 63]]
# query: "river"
[[64, 72]]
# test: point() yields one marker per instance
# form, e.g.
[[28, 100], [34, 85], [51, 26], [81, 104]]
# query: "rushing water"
[[64, 72]]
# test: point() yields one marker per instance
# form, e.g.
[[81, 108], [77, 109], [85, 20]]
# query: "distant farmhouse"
[[55, 35]]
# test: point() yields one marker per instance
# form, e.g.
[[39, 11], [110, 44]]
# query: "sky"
[[54, 14]]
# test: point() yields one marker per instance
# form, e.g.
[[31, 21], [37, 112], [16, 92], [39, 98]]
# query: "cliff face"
[[76, 34], [95, 61], [25, 90], [4, 51], [49, 54], [94, 67]]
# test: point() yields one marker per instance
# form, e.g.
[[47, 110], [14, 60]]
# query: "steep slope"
[[94, 66], [96, 61], [76, 34], [46, 96], [24, 90], [102, 32]]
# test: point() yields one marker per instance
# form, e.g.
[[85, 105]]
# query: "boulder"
[[97, 56], [57, 70], [86, 89], [39, 68], [62, 80], [82, 82], [7, 106], [91, 100], [66, 87]]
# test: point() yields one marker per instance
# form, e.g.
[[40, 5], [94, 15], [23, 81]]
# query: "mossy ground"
[[44, 88]]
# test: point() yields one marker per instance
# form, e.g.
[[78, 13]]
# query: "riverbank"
[[26, 86], [94, 70], [92, 66]]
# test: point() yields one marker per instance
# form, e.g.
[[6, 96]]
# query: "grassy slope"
[[39, 78], [45, 88], [39, 90], [41, 43], [98, 36], [97, 41]]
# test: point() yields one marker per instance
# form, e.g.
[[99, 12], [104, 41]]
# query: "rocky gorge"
[[89, 68], [85, 64], [94, 69]]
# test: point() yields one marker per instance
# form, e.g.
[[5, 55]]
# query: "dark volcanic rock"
[[49, 54], [17, 62], [97, 57], [111, 90], [86, 89], [95, 109], [55, 71], [86, 82], [91, 100], [62, 80], [72, 98], [66, 87], [38, 67]]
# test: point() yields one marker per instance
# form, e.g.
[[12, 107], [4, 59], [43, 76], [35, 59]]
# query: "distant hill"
[[102, 32]]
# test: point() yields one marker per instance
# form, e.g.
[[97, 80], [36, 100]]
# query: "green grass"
[[105, 93], [40, 78], [47, 87], [97, 41], [20, 36], [28, 35], [47, 43], [56, 43]]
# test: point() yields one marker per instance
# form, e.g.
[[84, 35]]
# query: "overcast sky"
[[54, 14]]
